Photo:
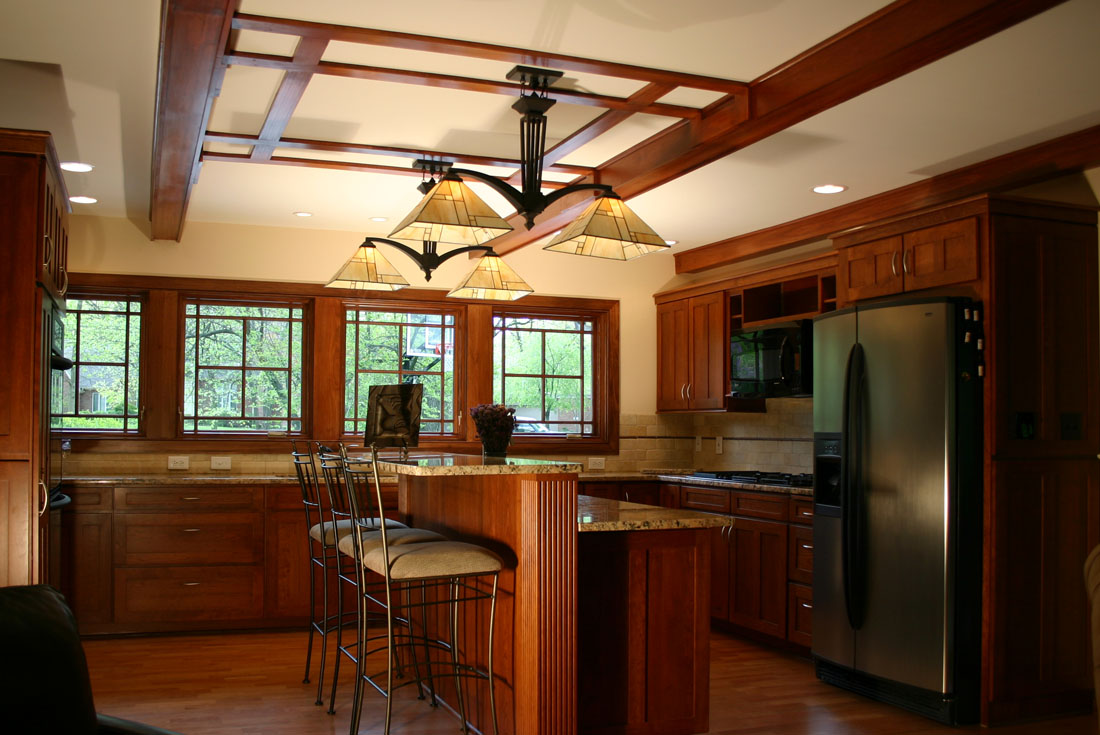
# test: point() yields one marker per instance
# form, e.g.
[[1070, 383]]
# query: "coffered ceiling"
[[714, 118]]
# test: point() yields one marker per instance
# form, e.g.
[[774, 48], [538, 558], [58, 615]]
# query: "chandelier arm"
[[559, 193], [506, 190], [428, 261]]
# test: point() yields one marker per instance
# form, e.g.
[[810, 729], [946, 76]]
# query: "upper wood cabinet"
[[924, 258], [692, 343]]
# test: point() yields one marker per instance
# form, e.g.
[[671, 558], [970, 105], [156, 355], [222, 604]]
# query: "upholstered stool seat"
[[330, 535], [396, 536], [429, 561]]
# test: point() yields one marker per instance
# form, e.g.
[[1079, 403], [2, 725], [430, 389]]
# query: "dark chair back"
[[44, 684], [305, 467]]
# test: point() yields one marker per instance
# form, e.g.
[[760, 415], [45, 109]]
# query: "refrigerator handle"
[[851, 487]]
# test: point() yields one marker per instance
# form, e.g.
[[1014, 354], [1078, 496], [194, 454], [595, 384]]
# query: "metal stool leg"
[[324, 620], [455, 587], [492, 635]]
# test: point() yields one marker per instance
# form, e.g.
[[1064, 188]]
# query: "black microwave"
[[772, 361]]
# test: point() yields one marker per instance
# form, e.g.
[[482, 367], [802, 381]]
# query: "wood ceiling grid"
[[897, 39]]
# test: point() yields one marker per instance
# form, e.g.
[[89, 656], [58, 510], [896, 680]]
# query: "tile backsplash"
[[780, 440]]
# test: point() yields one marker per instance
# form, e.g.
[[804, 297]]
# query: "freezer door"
[[833, 637], [834, 336], [907, 459]]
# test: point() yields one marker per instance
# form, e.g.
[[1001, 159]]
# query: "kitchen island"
[[589, 611]]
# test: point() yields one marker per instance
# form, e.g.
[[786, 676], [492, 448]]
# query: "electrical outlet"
[[179, 463], [698, 444], [221, 463], [717, 445], [595, 463]]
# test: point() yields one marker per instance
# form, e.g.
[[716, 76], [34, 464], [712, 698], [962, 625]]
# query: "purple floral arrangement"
[[495, 423]]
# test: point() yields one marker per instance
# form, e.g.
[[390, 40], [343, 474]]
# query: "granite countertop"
[[734, 485], [183, 479], [440, 464], [600, 514]]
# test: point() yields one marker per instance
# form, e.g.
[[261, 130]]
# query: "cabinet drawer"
[[800, 614], [759, 505], [704, 498], [800, 555], [189, 498], [646, 493], [89, 497], [802, 510], [192, 538], [182, 594]]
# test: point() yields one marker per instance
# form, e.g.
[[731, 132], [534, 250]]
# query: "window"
[[388, 347], [242, 366], [542, 367], [100, 392]]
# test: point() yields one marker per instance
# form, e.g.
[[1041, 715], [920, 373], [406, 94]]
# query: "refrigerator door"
[[833, 638], [907, 466]]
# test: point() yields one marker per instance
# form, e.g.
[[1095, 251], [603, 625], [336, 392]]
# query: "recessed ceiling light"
[[672, 242], [303, 214], [83, 200], [830, 188], [377, 219], [76, 166]]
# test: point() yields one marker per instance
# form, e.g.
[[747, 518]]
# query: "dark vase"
[[495, 446]]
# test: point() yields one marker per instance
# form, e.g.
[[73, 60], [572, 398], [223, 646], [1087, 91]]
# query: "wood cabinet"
[[692, 345], [923, 258], [758, 575], [33, 227], [646, 492]]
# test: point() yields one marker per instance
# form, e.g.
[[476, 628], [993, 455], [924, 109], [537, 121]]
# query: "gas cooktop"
[[760, 478]]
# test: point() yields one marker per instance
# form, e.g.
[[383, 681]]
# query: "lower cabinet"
[[646, 492], [758, 576], [146, 558]]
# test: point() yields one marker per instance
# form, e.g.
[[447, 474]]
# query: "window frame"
[[249, 300], [113, 295], [605, 377], [460, 361]]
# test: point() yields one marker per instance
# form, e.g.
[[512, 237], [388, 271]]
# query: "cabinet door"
[[709, 346], [286, 565], [758, 576], [870, 269], [670, 495], [941, 255], [608, 490], [800, 554], [86, 569], [673, 358], [719, 573], [646, 493]]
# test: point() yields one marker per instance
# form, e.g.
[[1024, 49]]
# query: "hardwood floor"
[[252, 683]]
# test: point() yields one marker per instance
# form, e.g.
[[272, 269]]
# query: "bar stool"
[[449, 567], [344, 506]]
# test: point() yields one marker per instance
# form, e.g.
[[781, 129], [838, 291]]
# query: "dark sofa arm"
[[116, 726]]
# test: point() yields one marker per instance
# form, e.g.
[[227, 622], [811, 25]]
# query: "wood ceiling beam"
[[291, 89], [908, 34], [449, 81], [377, 168], [193, 35], [472, 49], [1059, 157], [382, 150]]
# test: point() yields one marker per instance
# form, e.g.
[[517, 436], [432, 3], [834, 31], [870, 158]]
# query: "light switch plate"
[[717, 445], [179, 463], [698, 444], [595, 463], [221, 463]]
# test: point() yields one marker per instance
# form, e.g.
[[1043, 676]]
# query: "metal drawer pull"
[[808, 547], [190, 530], [806, 605], [191, 584], [894, 263], [192, 497]]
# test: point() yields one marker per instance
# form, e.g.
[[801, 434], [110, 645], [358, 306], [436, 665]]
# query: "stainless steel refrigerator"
[[897, 503]]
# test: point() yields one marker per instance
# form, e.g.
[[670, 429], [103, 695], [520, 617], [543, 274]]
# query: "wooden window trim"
[[162, 331]]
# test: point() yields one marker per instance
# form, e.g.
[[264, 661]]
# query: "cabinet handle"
[[191, 530], [683, 391], [48, 247], [191, 584], [45, 498], [626, 495], [191, 497], [808, 547], [806, 605], [905, 261], [894, 263], [689, 391], [65, 281]]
